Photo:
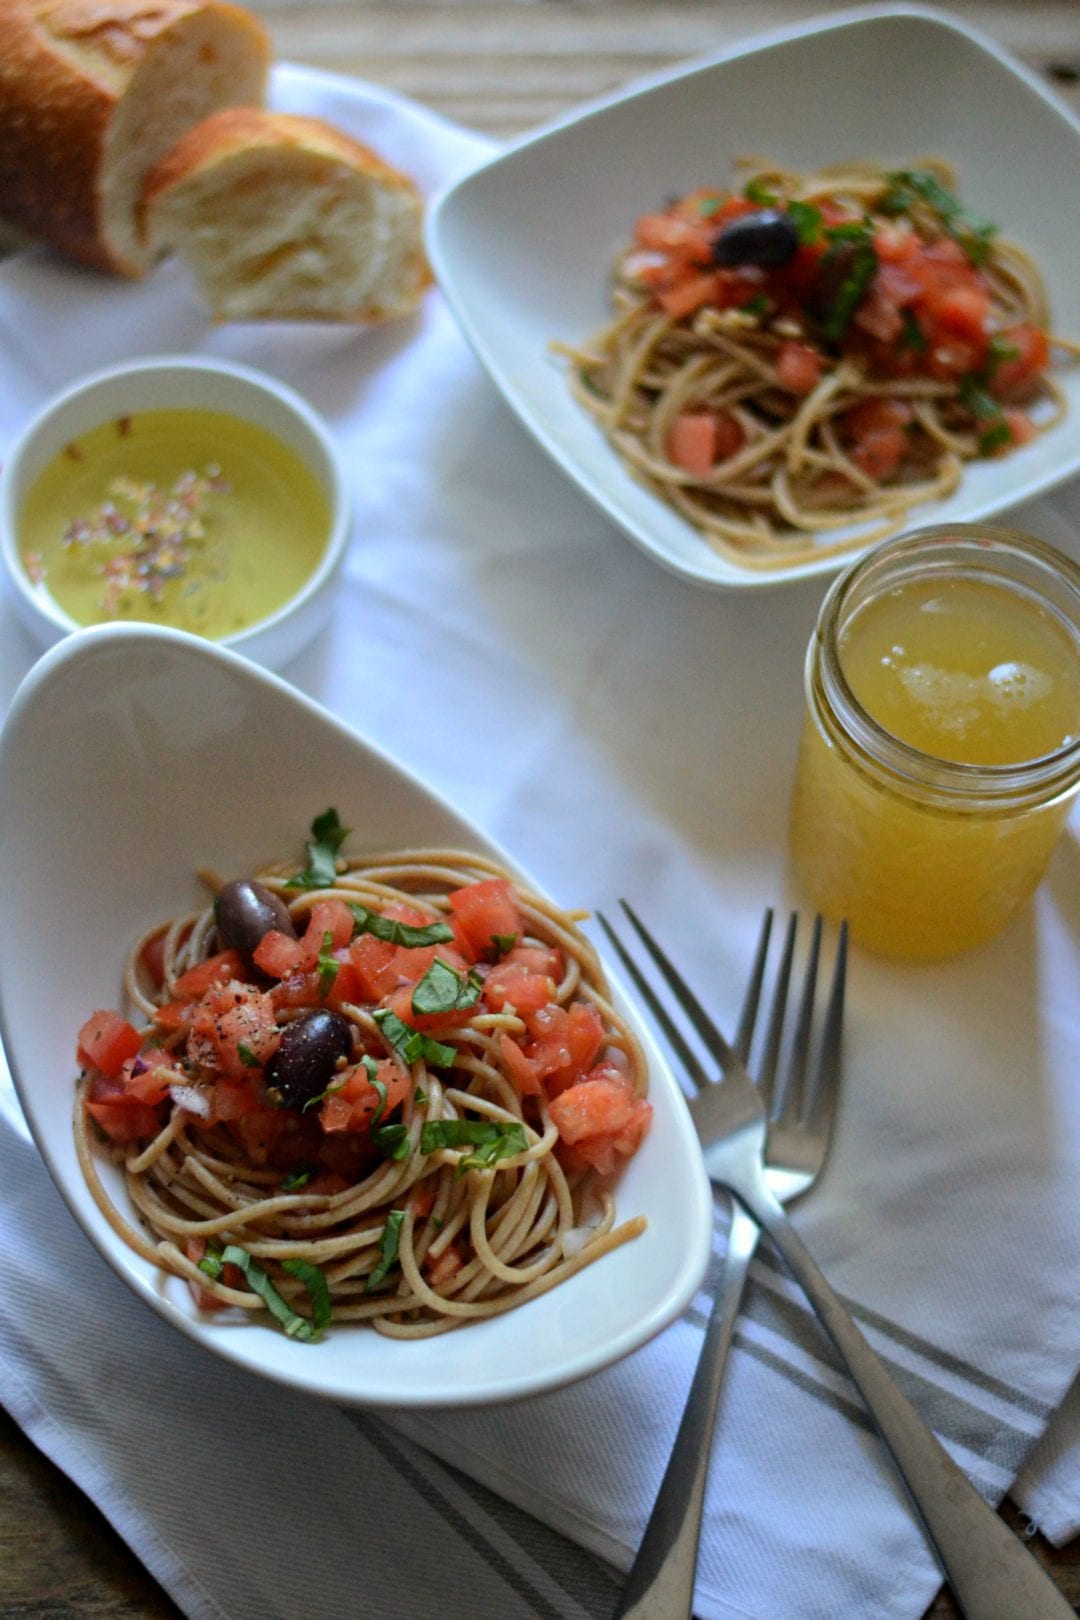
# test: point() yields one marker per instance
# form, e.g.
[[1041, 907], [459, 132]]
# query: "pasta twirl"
[[450, 1158], [797, 362]]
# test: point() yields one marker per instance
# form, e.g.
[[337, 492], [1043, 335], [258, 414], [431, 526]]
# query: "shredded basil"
[[504, 944], [997, 352], [708, 206], [388, 1249], [296, 1326], [246, 1055], [975, 398], [995, 437], [756, 191], [857, 277], [298, 1177], [907, 187], [327, 966], [912, 335], [327, 837], [421, 1097], [760, 304], [491, 1139], [398, 933], [807, 221], [392, 1141], [410, 1044], [444, 990], [380, 1087], [335, 1086], [211, 1263]]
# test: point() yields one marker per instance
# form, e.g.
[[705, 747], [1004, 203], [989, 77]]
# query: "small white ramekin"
[[182, 382]]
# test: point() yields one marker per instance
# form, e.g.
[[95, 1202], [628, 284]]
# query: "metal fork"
[[991, 1572], [800, 1104]]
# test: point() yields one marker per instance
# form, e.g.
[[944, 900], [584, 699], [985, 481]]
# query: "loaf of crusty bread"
[[285, 217], [93, 93]]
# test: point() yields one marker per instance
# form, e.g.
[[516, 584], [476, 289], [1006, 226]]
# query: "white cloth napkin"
[[621, 732]]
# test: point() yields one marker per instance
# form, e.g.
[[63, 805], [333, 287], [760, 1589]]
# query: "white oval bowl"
[[168, 382], [133, 755]]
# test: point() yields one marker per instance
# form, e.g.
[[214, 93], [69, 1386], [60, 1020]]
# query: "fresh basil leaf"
[[807, 221], [444, 990], [857, 277], [760, 304], [995, 438], [999, 350], [504, 944], [983, 406], [318, 1292], [327, 837], [335, 1086], [421, 1097], [388, 1249], [910, 186], [246, 1055], [392, 1141], [211, 1263], [410, 1044], [298, 1177], [398, 933], [912, 335], [380, 1087], [296, 1326], [491, 1139], [708, 206], [756, 191], [327, 966], [851, 230]]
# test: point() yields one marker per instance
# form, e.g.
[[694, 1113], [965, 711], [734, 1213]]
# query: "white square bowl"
[[522, 246], [131, 756]]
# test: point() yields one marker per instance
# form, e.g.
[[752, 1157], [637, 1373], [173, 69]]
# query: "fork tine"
[[715, 1042], [744, 1035], [790, 1092], [766, 1077], [685, 1053], [820, 1100]]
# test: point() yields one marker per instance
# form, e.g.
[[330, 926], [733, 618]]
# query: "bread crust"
[[244, 130], [65, 66]]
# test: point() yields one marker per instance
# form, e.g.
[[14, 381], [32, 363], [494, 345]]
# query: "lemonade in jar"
[[940, 753]]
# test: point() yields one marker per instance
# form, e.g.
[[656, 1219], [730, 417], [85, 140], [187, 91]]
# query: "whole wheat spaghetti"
[[451, 1158], [797, 362]]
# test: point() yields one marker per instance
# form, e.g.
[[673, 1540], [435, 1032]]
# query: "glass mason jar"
[[928, 855]]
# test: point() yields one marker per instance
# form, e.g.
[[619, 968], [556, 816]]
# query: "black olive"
[[307, 1058], [245, 912], [767, 238]]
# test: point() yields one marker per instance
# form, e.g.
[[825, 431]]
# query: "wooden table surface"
[[499, 66]]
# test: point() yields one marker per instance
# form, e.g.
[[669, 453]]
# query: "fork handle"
[[660, 1585], [991, 1572]]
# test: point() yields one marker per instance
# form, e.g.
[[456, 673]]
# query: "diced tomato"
[[799, 367], [484, 911], [106, 1041], [446, 1266], [215, 970], [232, 1099], [124, 1120], [584, 1036], [174, 1015], [148, 1076], [874, 430], [1016, 379], [153, 958], [895, 243], [351, 1108], [331, 917], [691, 442], [422, 1198], [278, 954], [964, 310], [373, 961], [238, 1027], [666, 233], [690, 294], [520, 1069], [601, 1118], [546, 959], [512, 983], [259, 1132]]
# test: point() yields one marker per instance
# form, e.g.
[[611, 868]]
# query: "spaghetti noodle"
[[807, 354], [451, 1160]]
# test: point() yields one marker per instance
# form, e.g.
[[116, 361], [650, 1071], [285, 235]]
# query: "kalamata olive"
[[307, 1058], [767, 238], [246, 910]]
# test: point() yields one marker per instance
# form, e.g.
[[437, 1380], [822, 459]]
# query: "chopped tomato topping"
[[799, 367], [1016, 377], [106, 1041], [215, 970], [601, 1118], [278, 954], [485, 912]]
